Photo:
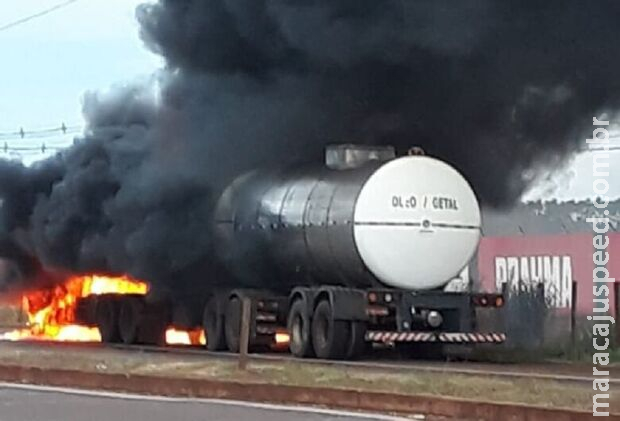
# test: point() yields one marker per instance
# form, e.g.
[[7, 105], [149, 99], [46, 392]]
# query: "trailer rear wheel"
[[233, 324], [129, 320], [106, 317], [154, 322], [299, 327], [213, 325], [330, 337], [357, 342]]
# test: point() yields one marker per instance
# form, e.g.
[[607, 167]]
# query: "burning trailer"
[[332, 257], [67, 312]]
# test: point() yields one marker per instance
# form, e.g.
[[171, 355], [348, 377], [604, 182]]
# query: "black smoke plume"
[[498, 88]]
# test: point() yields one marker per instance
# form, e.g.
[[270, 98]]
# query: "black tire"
[[129, 319], [106, 317], [357, 342], [299, 330], [154, 322], [232, 323], [213, 325], [330, 337]]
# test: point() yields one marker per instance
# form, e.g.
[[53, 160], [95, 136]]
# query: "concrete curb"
[[290, 395]]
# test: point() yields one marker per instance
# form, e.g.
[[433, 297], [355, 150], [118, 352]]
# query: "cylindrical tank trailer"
[[334, 257], [411, 222]]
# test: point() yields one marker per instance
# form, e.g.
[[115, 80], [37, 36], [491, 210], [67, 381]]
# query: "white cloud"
[[574, 182]]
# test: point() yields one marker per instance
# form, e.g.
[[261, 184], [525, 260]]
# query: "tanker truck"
[[341, 255]]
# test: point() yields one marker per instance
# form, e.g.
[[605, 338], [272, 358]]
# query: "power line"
[[37, 15], [43, 148], [61, 130], [38, 149]]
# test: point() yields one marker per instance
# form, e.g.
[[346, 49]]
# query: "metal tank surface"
[[411, 222]]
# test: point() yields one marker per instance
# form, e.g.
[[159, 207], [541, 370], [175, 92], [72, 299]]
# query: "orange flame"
[[282, 338], [52, 312], [183, 337]]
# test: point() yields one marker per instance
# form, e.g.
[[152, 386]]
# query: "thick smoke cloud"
[[498, 88]]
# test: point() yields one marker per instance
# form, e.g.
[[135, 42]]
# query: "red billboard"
[[555, 260]]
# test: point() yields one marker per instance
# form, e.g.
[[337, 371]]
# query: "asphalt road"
[[23, 403]]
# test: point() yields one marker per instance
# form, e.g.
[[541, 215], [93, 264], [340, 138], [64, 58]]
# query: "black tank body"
[[293, 227]]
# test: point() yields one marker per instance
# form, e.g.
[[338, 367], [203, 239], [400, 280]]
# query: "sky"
[[47, 64], [574, 181]]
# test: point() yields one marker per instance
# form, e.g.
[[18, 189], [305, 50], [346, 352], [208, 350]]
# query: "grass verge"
[[546, 393]]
